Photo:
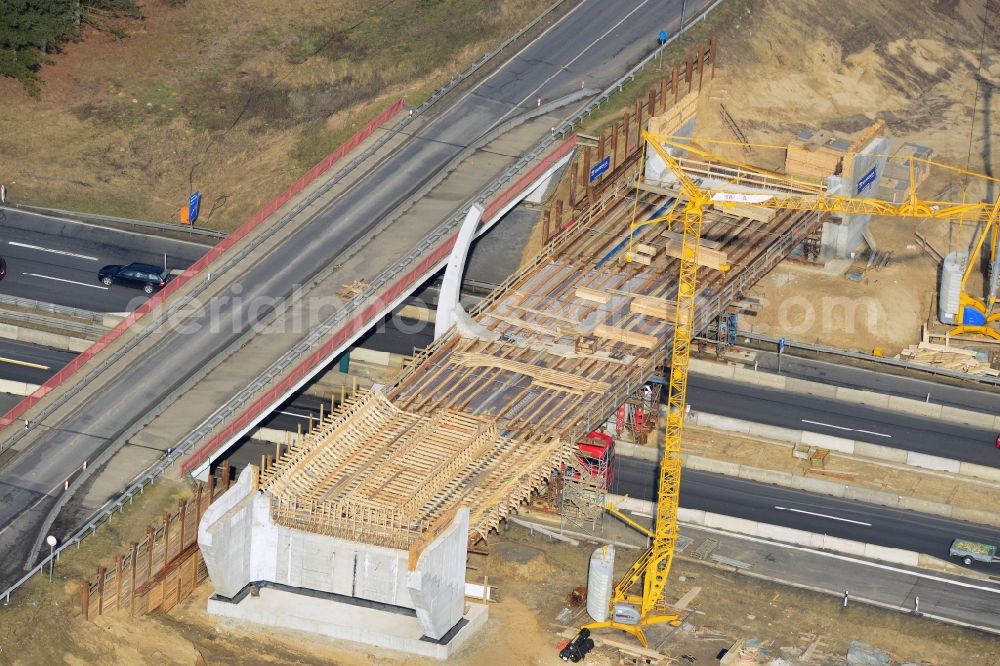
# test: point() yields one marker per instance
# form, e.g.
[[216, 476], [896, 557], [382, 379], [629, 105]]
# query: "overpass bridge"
[[247, 315], [483, 416], [377, 503]]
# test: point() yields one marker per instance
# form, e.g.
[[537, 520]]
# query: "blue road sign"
[[781, 345], [193, 205], [866, 180], [599, 168], [662, 37]]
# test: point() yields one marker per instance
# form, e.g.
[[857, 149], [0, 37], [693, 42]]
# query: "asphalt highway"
[[594, 43], [56, 261], [798, 509], [841, 419]]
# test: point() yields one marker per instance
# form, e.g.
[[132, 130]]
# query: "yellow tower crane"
[[637, 599]]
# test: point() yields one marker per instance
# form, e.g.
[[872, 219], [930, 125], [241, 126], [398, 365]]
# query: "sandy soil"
[[819, 67]]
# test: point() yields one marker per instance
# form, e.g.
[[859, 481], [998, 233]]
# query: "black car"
[[148, 277], [3, 268]]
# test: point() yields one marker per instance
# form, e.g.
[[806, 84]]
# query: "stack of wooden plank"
[[947, 358], [816, 155], [678, 114]]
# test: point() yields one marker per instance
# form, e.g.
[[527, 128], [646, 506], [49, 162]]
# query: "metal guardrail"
[[442, 232], [631, 74], [879, 360], [123, 221], [51, 308], [173, 456], [53, 322]]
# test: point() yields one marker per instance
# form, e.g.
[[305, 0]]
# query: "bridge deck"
[[483, 415]]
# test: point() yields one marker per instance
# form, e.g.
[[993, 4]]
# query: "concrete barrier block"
[[932, 462], [937, 564], [810, 388], [8, 332], [706, 420], [784, 534], [871, 496], [709, 369], [758, 378], [916, 407], [996, 422], [924, 506], [370, 356], [635, 451], [78, 344], [819, 486], [828, 442], [976, 419], [879, 452], [111, 320], [691, 516], [845, 546], [43, 338], [777, 433], [417, 312], [709, 465], [977, 516], [16, 388], [730, 524], [774, 477], [862, 397], [273, 435], [895, 555], [979, 471]]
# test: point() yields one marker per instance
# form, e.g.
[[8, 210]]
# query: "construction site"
[[532, 487]]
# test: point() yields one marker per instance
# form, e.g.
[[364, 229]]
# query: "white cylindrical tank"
[[951, 286], [601, 582]]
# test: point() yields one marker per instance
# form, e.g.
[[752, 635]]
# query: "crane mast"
[[637, 599]]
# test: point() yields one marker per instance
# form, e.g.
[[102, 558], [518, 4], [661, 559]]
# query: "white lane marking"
[[830, 425], [301, 416], [844, 558], [823, 515], [45, 249], [82, 284], [877, 434]]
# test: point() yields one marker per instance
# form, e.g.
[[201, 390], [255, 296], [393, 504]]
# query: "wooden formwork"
[[482, 417], [158, 571]]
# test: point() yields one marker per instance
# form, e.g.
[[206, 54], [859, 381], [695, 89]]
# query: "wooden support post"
[[651, 104], [101, 573], [663, 95], [638, 118], [166, 540], [557, 224], [210, 488], [625, 133], [85, 598], [225, 475], [181, 514], [713, 53], [601, 148], [546, 225], [701, 66], [134, 558], [574, 177], [150, 541], [615, 130], [119, 567], [199, 511], [688, 78], [676, 85]]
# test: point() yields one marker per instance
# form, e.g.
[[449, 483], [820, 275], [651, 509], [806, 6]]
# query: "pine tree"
[[29, 29]]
